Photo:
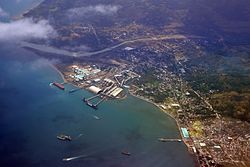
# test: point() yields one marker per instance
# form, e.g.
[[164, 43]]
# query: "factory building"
[[82, 73], [94, 89], [116, 92]]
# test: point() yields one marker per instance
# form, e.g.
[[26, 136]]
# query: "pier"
[[169, 140], [93, 97], [88, 102], [63, 83], [99, 102]]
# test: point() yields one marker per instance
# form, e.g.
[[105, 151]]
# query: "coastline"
[[155, 104], [21, 15], [31, 8], [166, 111], [60, 73], [141, 98], [176, 121]]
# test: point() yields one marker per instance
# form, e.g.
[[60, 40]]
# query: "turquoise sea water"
[[32, 113]]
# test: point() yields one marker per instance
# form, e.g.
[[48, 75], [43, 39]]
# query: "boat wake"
[[74, 158], [96, 117], [80, 135]]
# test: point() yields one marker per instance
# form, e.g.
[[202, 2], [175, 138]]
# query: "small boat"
[[73, 158], [66, 159], [64, 137], [126, 153]]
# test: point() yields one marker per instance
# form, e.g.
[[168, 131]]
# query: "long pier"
[[92, 105], [169, 140], [93, 97], [103, 95], [99, 102]]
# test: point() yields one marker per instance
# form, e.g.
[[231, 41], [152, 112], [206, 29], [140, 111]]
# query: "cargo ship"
[[60, 86], [89, 103]]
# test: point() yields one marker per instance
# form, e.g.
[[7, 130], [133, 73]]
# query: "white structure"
[[116, 92], [217, 147], [163, 107], [128, 48], [175, 105], [94, 89], [203, 144], [97, 80], [108, 80]]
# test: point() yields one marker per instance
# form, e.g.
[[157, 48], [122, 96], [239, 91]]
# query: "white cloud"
[[26, 29], [98, 9], [43, 63], [3, 13]]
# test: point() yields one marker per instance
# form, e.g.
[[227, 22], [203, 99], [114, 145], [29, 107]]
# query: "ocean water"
[[17, 7], [32, 114]]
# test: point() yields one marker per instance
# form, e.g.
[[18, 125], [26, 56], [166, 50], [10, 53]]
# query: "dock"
[[169, 140], [88, 102]]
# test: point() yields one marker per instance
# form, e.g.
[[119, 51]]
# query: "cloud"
[[98, 9], [26, 29], [42, 63], [3, 13]]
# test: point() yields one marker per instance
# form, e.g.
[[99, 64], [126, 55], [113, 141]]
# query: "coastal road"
[[53, 50]]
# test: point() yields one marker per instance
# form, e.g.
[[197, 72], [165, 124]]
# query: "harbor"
[[103, 82], [39, 119]]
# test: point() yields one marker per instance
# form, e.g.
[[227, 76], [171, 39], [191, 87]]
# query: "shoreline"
[[162, 110], [21, 14], [31, 8], [60, 73], [141, 98]]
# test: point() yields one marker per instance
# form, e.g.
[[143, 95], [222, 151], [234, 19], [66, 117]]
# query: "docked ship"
[[60, 86], [89, 103]]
